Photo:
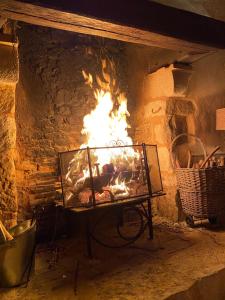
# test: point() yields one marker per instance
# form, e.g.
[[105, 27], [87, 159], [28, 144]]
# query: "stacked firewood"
[[209, 162]]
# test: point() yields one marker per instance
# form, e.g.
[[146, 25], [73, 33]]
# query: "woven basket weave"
[[202, 191], [208, 180]]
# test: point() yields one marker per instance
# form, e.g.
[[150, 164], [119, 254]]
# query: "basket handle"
[[187, 135], [209, 156]]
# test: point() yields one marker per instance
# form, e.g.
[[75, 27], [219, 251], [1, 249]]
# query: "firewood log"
[[98, 181], [4, 233], [189, 159], [209, 156], [177, 164]]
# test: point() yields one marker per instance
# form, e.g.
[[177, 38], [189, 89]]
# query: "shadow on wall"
[[207, 88]]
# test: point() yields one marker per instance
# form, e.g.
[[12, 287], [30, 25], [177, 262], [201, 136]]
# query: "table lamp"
[[220, 119]]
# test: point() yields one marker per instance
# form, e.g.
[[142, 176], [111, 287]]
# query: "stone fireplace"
[[44, 100], [53, 99], [9, 75], [62, 99], [165, 112]]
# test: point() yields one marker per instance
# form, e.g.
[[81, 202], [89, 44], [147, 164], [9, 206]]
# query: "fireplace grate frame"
[[141, 204], [152, 179]]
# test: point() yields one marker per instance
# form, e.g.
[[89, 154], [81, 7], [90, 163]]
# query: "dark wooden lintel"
[[8, 40], [2, 21], [134, 21]]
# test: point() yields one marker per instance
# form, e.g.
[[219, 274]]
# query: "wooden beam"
[[8, 40], [2, 21], [134, 21]]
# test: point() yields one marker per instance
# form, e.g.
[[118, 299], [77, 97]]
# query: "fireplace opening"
[[137, 94], [108, 167], [88, 120], [87, 92]]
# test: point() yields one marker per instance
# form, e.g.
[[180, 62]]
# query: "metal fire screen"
[[105, 175]]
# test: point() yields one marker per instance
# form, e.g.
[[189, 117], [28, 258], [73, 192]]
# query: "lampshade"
[[220, 119]]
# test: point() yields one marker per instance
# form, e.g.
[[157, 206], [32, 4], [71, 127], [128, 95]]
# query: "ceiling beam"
[[2, 21], [8, 40], [134, 21]]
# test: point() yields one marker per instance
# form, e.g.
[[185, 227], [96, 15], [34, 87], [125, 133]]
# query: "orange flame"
[[105, 125]]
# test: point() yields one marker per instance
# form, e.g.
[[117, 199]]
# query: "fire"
[[105, 126]]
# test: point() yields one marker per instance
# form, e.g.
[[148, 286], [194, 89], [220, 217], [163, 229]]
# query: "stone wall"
[[163, 111], [167, 106], [52, 100], [8, 80]]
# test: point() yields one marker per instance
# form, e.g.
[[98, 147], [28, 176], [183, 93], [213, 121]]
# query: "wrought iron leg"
[[149, 212], [88, 238], [150, 226], [121, 218]]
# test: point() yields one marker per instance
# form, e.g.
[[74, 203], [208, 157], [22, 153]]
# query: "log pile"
[[109, 185]]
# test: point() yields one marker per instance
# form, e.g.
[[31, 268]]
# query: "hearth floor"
[[174, 261]]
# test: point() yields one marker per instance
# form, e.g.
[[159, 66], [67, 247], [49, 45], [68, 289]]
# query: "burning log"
[[108, 169], [105, 167], [108, 185], [85, 182]]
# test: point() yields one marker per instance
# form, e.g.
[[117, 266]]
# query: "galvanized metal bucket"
[[17, 255]]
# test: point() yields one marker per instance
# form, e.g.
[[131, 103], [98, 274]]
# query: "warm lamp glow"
[[220, 119]]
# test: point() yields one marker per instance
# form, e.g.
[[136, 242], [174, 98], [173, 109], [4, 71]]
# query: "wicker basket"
[[207, 180], [201, 204], [202, 191]]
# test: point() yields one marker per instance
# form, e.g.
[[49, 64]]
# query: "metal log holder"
[[125, 185]]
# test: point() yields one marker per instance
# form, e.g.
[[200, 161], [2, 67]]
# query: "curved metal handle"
[[187, 135]]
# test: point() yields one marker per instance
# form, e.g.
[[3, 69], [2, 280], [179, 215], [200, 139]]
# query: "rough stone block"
[[164, 158], [168, 82], [155, 108], [166, 205], [178, 106], [164, 107], [160, 133], [8, 193], [9, 67]]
